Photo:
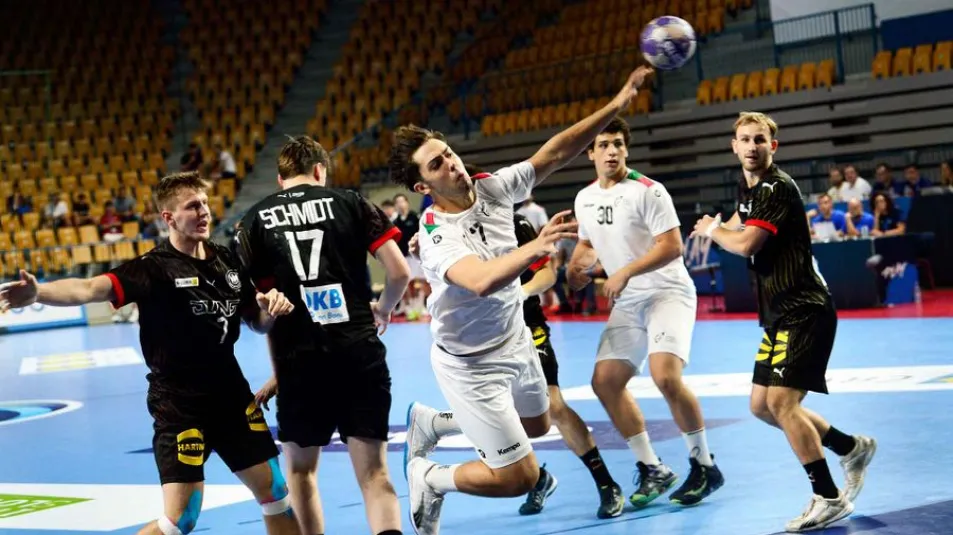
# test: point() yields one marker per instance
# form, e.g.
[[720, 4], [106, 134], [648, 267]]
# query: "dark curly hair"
[[407, 139]]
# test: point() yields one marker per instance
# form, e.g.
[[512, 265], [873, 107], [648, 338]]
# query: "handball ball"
[[668, 43]]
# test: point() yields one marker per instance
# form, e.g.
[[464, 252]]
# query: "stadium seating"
[[76, 131], [742, 86], [925, 58]]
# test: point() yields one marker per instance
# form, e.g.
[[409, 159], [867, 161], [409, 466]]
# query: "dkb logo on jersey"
[[326, 304]]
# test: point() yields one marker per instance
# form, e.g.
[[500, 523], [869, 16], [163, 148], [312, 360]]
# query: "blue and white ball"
[[668, 43]]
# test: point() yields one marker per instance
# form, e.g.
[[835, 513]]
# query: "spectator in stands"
[[946, 176], [192, 159], [533, 212], [225, 165], [854, 186], [150, 223], [827, 222], [81, 210], [836, 181], [412, 305], [885, 182], [888, 221], [387, 206], [19, 204], [56, 212], [913, 181], [587, 296], [859, 222], [125, 204], [110, 225]]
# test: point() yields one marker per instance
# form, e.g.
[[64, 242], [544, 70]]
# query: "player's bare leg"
[[369, 458], [609, 380], [856, 451], [303, 484], [577, 436], [828, 504], [704, 477], [182, 503], [268, 485]]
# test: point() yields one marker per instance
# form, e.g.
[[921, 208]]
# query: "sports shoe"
[[536, 499], [652, 482], [702, 480], [612, 501], [421, 437], [425, 502], [821, 513], [855, 465]]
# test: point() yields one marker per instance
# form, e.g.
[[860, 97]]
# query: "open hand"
[[18, 294], [632, 85], [556, 230], [381, 319]]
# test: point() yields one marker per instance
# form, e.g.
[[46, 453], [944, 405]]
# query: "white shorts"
[[489, 394], [662, 323]]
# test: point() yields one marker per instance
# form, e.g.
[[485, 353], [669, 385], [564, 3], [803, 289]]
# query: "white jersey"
[[463, 323], [622, 222]]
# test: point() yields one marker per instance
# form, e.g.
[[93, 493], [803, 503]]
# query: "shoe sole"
[[645, 500], [711, 490], [869, 458], [844, 514], [545, 497]]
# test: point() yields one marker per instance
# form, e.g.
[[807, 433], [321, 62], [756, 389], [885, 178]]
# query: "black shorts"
[[547, 356], [345, 390], [231, 426], [794, 353]]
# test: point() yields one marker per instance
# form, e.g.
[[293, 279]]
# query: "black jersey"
[[311, 243], [789, 283], [532, 308], [190, 314]]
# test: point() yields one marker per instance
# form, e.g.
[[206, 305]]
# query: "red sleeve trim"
[[392, 233], [428, 219], [265, 284], [537, 265], [763, 224], [120, 300], [480, 176], [645, 181]]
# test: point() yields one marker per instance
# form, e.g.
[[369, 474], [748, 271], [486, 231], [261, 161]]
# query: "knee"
[[605, 385], [184, 521], [669, 385], [759, 408], [376, 481], [780, 406], [272, 492], [558, 411]]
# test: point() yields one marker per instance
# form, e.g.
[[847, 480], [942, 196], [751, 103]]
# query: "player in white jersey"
[[483, 355], [629, 223]]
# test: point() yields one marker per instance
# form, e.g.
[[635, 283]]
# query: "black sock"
[[822, 482], [542, 478], [597, 468], [838, 442], [390, 532]]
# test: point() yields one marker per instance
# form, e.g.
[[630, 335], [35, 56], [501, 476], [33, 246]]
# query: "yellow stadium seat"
[[941, 56], [824, 77], [771, 84], [703, 93], [753, 85], [737, 88], [923, 59], [805, 76], [789, 79], [902, 62], [720, 92], [881, 66]]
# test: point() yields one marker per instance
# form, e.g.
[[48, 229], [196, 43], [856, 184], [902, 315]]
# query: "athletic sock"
[[642, 448], [697, 443], [440, 478], [838, 442], [445, 424], [597, 468], [821, 481]]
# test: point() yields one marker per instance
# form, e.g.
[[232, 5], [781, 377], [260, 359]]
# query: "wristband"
[[714, 224]]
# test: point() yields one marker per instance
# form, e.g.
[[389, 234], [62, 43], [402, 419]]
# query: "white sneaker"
[[821, 513], [855, 465], [421, 437], [425, 502]]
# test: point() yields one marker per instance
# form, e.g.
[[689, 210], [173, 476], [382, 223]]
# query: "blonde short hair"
[[756, 117]]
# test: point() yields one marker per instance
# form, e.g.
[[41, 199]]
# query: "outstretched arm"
[[61, 293], [565, 146]]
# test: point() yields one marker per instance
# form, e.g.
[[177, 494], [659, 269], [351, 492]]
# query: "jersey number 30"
[[604, 215], [316, 237]]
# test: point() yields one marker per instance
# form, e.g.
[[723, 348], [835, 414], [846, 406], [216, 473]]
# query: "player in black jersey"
[[311, 242], [798, 316], [192, 297]]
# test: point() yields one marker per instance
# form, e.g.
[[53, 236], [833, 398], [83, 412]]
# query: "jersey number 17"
[[316, 237]]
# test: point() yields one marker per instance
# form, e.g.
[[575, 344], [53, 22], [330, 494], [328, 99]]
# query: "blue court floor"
[[75, 437]]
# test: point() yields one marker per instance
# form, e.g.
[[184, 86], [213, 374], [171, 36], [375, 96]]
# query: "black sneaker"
[[652, 482], [536, 498], [612, 501], [702, 481]]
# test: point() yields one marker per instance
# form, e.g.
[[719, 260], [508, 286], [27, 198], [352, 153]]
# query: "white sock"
[[445, 424], [440, 478], [697, 444], [642, 449]]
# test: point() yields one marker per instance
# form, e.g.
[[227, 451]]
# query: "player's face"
[[754, 147], [609, 153], [441, 170], [191, 216]]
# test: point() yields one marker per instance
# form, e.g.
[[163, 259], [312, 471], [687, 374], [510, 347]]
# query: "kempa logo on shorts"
[[504, 451]]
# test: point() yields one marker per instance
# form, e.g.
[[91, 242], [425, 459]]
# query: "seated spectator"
[[125, 204], [836, 178], [854, 186], [81, 211], [56, 212], [19, 204], [859, 222], [110, 225], [192, 159], [946, 176], [225, 167], [914, 182], [888, 221], [886, 183], [826, 222]]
